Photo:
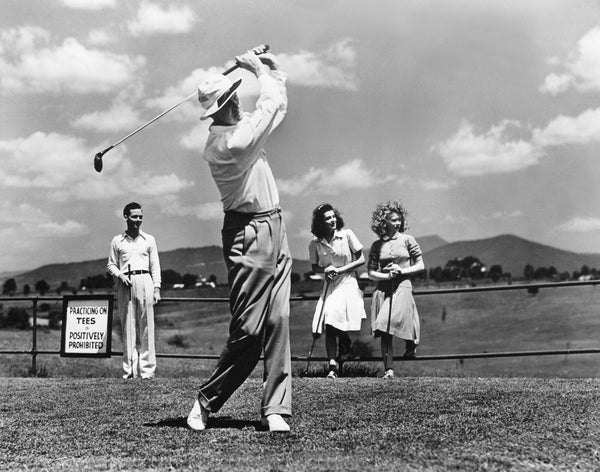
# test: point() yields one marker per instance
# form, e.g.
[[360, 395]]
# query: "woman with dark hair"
[[393, 259], [337, 253]]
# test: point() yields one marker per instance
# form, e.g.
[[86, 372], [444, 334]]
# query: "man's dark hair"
[[129, 207]]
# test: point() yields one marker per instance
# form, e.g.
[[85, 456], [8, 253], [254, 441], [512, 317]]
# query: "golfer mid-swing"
[[254, 243]]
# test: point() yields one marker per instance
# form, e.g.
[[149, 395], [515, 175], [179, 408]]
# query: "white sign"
[[87, 326]]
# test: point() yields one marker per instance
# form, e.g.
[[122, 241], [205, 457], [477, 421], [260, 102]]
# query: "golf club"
[[98, 164], [131, 339], [387, 331], [318, 324]]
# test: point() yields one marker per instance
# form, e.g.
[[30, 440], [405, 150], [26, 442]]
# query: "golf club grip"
[[262, 48]]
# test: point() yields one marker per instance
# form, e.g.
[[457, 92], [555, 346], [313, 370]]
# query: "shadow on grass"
[[214, 422]]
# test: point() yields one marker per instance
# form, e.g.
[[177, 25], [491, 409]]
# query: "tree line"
[[105, 281], [472, 268], [469, 267]]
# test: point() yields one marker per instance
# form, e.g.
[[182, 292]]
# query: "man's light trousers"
[[259, 266], [137, 323]]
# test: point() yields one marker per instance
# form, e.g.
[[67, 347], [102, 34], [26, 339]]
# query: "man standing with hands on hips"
[[133, 260], [254, 243]]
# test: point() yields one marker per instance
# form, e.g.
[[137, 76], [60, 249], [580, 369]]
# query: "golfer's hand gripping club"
[[98, 164]]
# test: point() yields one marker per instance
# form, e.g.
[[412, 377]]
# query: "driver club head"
[[98, 162]]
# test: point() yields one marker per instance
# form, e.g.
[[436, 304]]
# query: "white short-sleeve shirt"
[[338, 253]]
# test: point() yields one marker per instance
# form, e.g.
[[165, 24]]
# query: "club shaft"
[[192, 95], [318, 325], [154, 119], [263, 48]]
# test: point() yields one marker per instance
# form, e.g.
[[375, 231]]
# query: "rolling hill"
[[429, 243], [202, 261], [510, 251]]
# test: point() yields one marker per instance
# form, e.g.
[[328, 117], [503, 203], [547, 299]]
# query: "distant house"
[[204, 282], [178, 286]]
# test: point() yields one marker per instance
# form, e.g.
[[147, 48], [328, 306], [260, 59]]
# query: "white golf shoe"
[[389, 374], [198, 417], [275, 423]]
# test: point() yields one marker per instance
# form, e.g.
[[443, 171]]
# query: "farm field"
[[456, 323], [416, 424]]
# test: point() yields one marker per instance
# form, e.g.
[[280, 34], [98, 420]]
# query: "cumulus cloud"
[[42, 160], [332, 68], [195, 139], [89, 4], [469, 154], [351, 175], [27, 229], [556, 83], [155, 19], [502, 215], [120, 116], [28, 219], [157, 185], [123, 113], [65, 229], [581, 224], [60, 168], [100, 37], [432, 184], [581, 69], [211, 211], [20, 213], [29, 63], [581, 129]]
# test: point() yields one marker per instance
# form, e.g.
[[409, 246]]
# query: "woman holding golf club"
[[393, 259], [337, 253]]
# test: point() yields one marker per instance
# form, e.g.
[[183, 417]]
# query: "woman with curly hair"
[[393, 259], [337, 253]]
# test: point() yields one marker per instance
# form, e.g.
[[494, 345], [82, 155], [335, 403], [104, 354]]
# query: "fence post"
[[34, 339]]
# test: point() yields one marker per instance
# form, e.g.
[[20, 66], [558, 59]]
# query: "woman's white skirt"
[[344, 305]]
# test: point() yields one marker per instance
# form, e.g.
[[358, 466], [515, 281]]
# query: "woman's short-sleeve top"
[[402, 249], [338, 253]]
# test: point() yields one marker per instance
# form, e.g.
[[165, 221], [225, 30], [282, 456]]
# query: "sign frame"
[[105, 300]]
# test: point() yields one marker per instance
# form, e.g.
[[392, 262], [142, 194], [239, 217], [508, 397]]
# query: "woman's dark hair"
[[318, 226], [382, 213]]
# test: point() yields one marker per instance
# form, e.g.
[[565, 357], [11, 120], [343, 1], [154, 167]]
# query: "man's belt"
[[257, 214], [137, 272]]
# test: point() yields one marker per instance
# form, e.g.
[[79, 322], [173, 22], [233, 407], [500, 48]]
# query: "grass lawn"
[[406, 423]]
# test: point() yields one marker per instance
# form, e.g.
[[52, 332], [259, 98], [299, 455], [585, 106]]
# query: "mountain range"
[[509, 251]]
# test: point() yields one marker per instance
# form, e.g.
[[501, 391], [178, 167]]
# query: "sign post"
[[86, 326]]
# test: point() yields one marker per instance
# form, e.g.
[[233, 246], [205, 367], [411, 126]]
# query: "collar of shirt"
[[126, 236], [396, 236], [336, 235]]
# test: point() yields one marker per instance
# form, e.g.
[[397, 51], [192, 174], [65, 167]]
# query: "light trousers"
[[259, 265], [137, 323]]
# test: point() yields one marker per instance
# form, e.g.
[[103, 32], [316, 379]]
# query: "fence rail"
[[34, 352]]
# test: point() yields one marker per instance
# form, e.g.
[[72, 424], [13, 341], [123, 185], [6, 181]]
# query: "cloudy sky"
[[482, 117]]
